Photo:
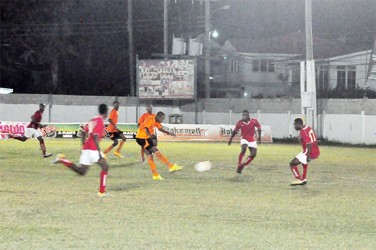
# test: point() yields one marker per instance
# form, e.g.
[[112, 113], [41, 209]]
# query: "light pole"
[[208, 15]]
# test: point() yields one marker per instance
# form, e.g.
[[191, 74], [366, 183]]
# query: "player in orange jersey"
[[141, 120], [115, 132], [145, 139]]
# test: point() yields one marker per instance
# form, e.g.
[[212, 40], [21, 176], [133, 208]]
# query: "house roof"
[[294, 43]]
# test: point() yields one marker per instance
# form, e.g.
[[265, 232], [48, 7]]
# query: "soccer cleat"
[[158, 178], [117, 154], [105, 156], [174, 168], [142, 159], [298, 183], [104, 195], [58, 158], [47, 155]]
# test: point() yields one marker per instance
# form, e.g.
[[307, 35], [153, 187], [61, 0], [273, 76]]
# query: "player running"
[[33, 130], [91, 153], [247, 128], [141, 120], [310, 152], [115, 133], [145, 139]]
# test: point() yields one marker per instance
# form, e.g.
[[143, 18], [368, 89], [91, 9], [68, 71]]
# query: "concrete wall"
[[350, 121]]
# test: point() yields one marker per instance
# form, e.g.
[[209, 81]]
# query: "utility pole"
[[165, 29], [207, 49], [311, 110], [131, 48]]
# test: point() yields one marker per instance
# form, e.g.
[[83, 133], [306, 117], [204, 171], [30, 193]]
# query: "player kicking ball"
[[91, 153], [310, 152], [149, 112], [145, 138], [115, 133], [247, 129], [33, 130]]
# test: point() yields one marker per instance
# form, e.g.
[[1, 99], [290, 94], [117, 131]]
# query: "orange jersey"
[[150, 123], [143, 118], [114, 118]]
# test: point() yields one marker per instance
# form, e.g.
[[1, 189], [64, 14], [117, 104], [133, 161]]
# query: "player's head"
[[298, 123], [116, 105], [42, 106], [103, 110], [245, 115], [149, 109], [160, 117]]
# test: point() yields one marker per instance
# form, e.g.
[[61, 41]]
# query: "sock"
[[66, 163], [120, 146], [142, 153], [240, 159], [248, 161], [240, 168], [153, 167], [42, 147], [164, 159], [108, 149], [102, 183], [305, 170], [295, 171]]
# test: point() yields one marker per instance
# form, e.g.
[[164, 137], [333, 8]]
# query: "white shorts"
[[32, 133], [89, 157], [302, 157], [249, 144]]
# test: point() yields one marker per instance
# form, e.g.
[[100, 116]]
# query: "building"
[[271, 67]]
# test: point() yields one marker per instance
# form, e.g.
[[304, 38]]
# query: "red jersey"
[[38, 118], [94, 127], [307, 136], [247, 129]]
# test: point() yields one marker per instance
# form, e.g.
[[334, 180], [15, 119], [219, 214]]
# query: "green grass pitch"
[[50, 207]]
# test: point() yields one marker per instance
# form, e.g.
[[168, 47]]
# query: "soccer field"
[[50, 207]]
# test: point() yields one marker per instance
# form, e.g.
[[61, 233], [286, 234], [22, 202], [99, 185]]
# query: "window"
[[322, 79], [346, 77], [234, 66], [263, 65]]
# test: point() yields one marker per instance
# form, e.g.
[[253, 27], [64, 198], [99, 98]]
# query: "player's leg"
[[243, 150], [16, 137], [142, 153], [114, 144], [120, 136], [43, 146], [146, 148], [103, 178], [171, 166], [305, 171], [299, 159], [252, 155], [79, 169]]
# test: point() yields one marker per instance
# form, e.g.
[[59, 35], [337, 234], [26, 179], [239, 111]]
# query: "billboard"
[[166, 79], [201, 132]]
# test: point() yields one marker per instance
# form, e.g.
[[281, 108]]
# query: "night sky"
[[85, 41]]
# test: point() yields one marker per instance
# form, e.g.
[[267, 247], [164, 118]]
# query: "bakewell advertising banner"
[[184, 132], [197, 132]]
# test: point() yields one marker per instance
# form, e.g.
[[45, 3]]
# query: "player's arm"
[[112, 123], [83, 136], [259, 135], [234, 132], [167, 132], [96, 141], [309, 149]]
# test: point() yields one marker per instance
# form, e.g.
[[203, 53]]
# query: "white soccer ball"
[[203, 166]]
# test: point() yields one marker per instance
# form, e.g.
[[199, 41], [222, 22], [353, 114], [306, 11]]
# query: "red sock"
[[295, 171], [43, 147], [102, 183], [240, 159], [66, 163], [248, 161], [305, 170]]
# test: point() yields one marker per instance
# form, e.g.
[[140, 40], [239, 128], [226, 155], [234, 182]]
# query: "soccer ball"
[[203, 166]]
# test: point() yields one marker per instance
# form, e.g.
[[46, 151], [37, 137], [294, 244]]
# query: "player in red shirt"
[[91, 153], [33, 130], [247, 129], [310, 152]]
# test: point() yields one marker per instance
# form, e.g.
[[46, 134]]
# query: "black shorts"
[[145, 143], [115, 135]]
